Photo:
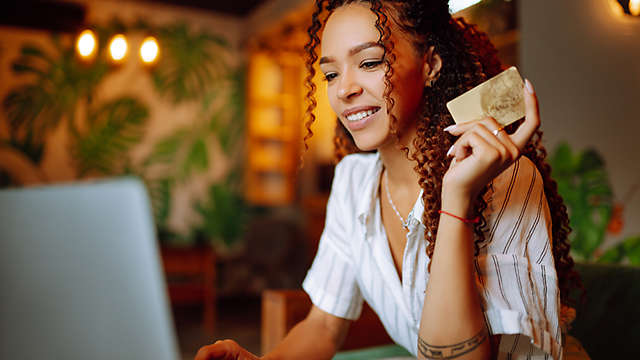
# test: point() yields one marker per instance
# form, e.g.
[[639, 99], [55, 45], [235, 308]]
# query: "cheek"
[[376, 84], [333, 100]]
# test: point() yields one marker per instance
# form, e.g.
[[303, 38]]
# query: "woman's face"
[[352, 62]]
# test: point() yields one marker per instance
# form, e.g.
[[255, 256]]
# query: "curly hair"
[[468, 58]]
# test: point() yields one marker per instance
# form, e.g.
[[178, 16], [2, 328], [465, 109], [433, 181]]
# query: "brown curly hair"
[[468, 58]]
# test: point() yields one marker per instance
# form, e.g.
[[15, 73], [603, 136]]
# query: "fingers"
[[211, 352], [220, 350], [531, 117], [488, 130], [472, 140], [520, 138]]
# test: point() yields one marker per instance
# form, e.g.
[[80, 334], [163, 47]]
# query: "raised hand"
[[484, 149]]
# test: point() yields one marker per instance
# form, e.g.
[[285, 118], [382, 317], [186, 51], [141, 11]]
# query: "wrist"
[[458, 204], [464, 220]]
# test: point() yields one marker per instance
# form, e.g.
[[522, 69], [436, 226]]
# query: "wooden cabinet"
[[274, 127]]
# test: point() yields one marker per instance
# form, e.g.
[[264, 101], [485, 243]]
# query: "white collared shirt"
[[515, 271]]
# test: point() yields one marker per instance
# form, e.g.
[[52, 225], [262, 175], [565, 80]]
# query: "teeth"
[[360, 115]]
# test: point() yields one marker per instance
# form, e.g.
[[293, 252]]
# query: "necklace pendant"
[[405, 223]]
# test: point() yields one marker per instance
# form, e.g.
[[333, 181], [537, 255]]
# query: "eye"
[[330, 76], [370, 64]]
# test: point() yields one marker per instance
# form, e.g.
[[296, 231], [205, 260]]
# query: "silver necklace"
[[405, 224]]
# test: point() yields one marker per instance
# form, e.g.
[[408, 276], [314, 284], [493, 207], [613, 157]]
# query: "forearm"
[[452, 313], [307, 340]]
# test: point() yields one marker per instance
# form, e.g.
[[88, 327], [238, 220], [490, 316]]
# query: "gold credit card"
[[500, 97]]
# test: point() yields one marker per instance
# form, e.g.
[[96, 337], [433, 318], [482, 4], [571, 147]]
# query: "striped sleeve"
[[331, 280], [515, 270]]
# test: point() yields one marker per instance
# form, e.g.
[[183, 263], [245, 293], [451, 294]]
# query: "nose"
[[348, 86]]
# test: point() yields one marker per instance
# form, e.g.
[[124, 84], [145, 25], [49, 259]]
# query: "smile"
[[362, 114]]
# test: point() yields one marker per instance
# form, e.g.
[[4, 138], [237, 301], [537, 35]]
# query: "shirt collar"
[[371, 181], [367, 203]]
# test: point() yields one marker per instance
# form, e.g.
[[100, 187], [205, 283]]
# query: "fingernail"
[[528, 85], [450, 127], [450, 151]]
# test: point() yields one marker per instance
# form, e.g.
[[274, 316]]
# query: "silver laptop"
[[80, 275]]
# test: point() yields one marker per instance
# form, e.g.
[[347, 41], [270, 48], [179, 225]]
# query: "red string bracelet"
[[466, 221]]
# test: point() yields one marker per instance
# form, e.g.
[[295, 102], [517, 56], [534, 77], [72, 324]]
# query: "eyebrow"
[[354, 50]]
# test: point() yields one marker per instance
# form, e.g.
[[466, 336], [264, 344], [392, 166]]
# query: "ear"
[[432, 66]]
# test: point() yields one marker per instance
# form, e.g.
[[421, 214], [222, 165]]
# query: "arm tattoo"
[[443, 352]]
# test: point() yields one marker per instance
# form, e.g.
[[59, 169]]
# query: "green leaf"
[[590, 160], [197, 158], [562, 161], [191, 63], [631, 246], [115, 128], [614, 255], [56, 84], [165, 150], [224, 214], [20, 67], [34, 51], [584, 186], [160, 194]]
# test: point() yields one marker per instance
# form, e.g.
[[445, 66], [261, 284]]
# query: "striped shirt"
[[515, 272]]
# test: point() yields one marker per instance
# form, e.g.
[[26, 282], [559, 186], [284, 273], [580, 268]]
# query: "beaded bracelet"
[[466, 221]]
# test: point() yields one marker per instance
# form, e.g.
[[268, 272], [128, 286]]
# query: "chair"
[[191, 279], [283, 309]]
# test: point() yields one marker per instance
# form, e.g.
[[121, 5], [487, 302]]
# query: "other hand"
[[484, 150], [224, 350]]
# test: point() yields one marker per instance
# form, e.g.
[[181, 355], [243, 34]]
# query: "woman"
[[445, 230]]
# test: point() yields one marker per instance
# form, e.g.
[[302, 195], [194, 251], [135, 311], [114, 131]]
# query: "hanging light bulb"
[[634, 7], [149, 50], [616, 7], [457, 5], [118, 47], [86, 44], [625, 7]]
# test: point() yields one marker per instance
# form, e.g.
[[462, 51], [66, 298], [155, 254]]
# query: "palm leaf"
[[57, 84], [116, 127], [197, 158], [166, 150], [160, 194], [190, 63]]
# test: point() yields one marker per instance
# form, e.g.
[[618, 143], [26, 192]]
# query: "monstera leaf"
[[193, 66], [58, 84], [114, 128], [229, 133], [191, 63], [160, 194], [584, 185]]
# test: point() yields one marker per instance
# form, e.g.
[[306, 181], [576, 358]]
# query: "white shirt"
[[515, 271]]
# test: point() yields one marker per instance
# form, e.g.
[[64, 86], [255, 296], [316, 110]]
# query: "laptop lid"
[[80, 276]]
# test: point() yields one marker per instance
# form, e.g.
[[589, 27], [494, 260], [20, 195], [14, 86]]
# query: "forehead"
[[348, 26]]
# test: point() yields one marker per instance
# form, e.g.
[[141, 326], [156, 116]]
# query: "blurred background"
[[204, 101]]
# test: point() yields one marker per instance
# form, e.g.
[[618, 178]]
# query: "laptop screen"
[[80, 274]]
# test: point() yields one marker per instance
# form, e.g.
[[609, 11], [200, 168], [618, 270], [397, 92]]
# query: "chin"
[[368, 143], [371, 137]]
